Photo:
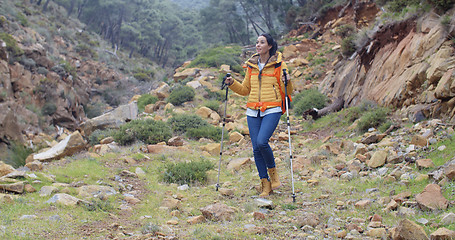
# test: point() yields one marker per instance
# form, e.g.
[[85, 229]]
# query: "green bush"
[[180, 123], [22, 19], [181, 94], [443, 5], [143, 74], [16, 154], [354, 113], [218, 95], [148, 131], [49, 109], [308, 99], [94, 109], [145, 100], [99, 135], [85, 50], [372, 119], [212, 104], [11, 45], [187, 172], [345, 30], [210, 132], [348, 46], [215, 57]]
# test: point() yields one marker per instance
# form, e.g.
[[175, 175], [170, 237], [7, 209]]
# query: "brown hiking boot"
[[266, 187], [274, 178]]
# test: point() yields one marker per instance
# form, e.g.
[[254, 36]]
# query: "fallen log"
[[315, 113]]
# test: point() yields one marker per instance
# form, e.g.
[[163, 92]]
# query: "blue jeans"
[[261, 129]]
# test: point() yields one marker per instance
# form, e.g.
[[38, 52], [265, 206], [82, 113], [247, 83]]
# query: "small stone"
[[448, 219], [362, 204], [258, 216], [443, 234], [196, 219]]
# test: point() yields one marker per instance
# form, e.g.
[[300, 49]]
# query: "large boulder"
[[408, 229], [189, 72], [5, 169], [431, 198], [10, 130], [67, 147], [112, 119]]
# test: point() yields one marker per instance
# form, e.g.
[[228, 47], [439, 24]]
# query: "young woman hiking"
[[264, 86]]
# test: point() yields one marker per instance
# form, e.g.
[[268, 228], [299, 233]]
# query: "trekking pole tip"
[[293, 198]]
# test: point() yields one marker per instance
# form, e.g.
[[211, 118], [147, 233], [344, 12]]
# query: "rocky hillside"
[[406, 64], [53, 73]]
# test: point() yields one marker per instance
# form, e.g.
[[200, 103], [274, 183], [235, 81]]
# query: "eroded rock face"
[[392, 68]]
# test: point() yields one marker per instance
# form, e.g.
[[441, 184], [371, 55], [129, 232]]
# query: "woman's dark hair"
[[271, 42]]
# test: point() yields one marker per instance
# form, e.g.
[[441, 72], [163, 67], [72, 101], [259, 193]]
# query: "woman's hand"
[[285, 78], [229, 81]]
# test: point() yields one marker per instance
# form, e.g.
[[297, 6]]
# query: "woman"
[[265, 90]]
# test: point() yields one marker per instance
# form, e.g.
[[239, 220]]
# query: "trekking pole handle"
[[223, 84], [285, 77]]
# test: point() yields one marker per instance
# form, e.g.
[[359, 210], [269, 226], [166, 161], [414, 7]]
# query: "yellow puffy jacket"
[[264, 92]]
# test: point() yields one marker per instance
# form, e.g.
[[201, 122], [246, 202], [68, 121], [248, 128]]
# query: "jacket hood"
[[253, 60]]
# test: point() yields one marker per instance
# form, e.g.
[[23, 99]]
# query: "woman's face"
[[262, 46]]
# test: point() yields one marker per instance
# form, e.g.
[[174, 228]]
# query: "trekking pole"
[[289, 130], [223, 85]]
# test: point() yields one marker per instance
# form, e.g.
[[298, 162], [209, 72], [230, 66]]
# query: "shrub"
[[145, 100], [345, 30], [308, 99], [443, 5], [180, 95], [218, 95], [372, 119], [212, 104], [16, 154], [98, 135], [348, 46], [94, 109], [22, 19], [148, 131], [49, 109], [143, 74], [215, 57], [180, 123], [210, 132], [187, 172], [85, 50], [356, 112], [11, 45]]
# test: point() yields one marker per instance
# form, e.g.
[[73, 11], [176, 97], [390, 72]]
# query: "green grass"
[[441, 157], [88, 170]]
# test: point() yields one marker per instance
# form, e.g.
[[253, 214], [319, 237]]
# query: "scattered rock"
[[307, 218], [218, 212], [64, 199], [48, 190], [196, 219], [176, 141], [378, 159], [442, 234], [237, 164], [407, 229], [448, 219], [431, 198]]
